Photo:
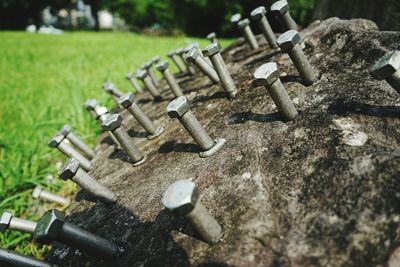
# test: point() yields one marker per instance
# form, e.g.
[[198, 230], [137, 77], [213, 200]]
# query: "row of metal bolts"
[[182, 196]]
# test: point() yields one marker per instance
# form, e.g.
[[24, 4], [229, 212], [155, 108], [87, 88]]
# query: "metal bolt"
[[143, 76], [127, 101], [212, 37], [71, 171], [289, 43], [180, 109], [244, 26], [113, 124], [40, 193], [179, 64], [212, 51], [388, 68], [281, 10], [268, 75], [236, 18], [258, 15], [10, 258], [131, 77], [100, 113], [180, 52], [156, 59], [9, 222], [112, 90], [182, 198], [148, 67], [61, 144], [66, 131], [197, 46], [194, 56], [173, 84]]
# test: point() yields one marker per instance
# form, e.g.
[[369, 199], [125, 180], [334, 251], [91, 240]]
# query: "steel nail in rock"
[[212, 51], [182, 198], [9, 258], [40, 193], [244, 27], [180, 52], [112, 90], [61, 144], [258, 15], [144, 76], [131, 77], [148, 67], [194, 56], [72, 171], [66, 131], [388, 68], [172, 55], [113, 124], [127, 101], [9, 222], [268, 75], [280, 9], [173, 84], [180, 109], [289, 43]]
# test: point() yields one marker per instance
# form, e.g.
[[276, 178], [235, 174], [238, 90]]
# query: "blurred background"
[[192, 17]]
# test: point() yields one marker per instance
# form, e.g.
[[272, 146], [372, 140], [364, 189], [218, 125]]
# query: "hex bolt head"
[[49, 226], [211, 50], [258, 13], [90, 104], [69, 169], [36, 192], [162, 66], [112, 122], [236, 18], [126, 100], [243, 23], [281, 9], [288, 40], [156, 59], [268, 75], [212, 36], [178, 107], [5, 221], [141, 74], [109, 87], [66, 129], [386, 66], [182, 198], [56, 140], [194, 56]]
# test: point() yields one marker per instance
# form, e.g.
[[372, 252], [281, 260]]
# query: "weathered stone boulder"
[[323, 190]]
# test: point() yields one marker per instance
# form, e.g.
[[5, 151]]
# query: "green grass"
[[44, 82]]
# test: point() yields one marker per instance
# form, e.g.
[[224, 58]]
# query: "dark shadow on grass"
[[173, 146], [243, 117], [345, 106]]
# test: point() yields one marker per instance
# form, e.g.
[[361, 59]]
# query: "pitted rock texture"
[[322, 190]]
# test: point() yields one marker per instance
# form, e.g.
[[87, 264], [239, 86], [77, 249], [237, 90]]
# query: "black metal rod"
[[10, 258], [88, 242]]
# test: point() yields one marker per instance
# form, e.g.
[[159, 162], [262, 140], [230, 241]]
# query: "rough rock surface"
[[323, 190]]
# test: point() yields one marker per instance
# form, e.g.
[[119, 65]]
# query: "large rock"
[[323, 190]]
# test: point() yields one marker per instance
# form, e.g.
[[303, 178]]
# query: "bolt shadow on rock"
[[174, 146], [135, 134], [205, 98], [243, 117], [345, 106], [143, 244]]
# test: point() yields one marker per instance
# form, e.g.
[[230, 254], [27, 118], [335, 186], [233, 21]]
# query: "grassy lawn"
[[44, 82]]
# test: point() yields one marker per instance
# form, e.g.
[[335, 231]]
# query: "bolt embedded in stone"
[[127, 101], [388, 68], [40, 193], [71, 171], [179, 64], [148, 67], [244, 26], [289, 43], [280, 9], [59, 142], [194, 56], [112, 90], [258, 15], [131, 77], [212, 51], [268, 76], [11, 258], [172, 82], [66, 131], [9, 222], [180, 109], [147, 80], [182, 198], [113, 124]]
